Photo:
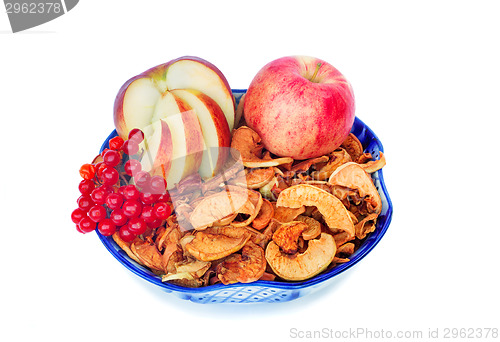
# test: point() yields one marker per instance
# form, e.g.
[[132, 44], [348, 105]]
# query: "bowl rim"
[[318, 279]]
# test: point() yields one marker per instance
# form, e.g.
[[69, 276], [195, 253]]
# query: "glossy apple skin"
[[294, 116]]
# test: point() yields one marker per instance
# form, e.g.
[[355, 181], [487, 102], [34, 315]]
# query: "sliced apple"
[[216, 134], [195, 73], [207, 100], [158, 149], [187, 142]]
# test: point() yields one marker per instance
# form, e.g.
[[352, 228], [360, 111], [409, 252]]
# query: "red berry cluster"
[[109, 203]]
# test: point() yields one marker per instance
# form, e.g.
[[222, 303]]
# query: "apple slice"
[[187, 142], [158, 149], [216, 134], [173, 144], [195, 73]]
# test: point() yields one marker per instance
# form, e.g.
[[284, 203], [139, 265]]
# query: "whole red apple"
[[301, 107]]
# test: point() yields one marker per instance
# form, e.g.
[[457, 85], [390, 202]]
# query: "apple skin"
[[297, 117]]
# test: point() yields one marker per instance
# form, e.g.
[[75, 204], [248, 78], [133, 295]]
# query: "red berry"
[[78, 229], [86, 225], [125, 234], [114, 200], [87, 171], [147, 198], [136, 135], [115, 143], [98, 169], [130, 147], [132, 167], [86, 186], [132, 208], [109, 176], [106, 227], [130, 192], [85, 202], [162, 210], [99, 195], [118, 217], [97, 213], [165, 197], [111, 158], [137, 226], [158, 185], [77, 215], [148, 214], [142, 179], [154, 224]]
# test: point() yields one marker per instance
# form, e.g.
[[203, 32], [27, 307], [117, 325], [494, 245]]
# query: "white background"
[[426, 80]]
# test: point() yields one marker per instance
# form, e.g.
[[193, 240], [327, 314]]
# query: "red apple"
[[302, 107]]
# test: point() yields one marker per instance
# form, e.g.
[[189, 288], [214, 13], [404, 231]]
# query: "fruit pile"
[[117, 195], [275, 188]]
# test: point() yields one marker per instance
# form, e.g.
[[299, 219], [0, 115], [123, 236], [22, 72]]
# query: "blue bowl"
[[271, 291]]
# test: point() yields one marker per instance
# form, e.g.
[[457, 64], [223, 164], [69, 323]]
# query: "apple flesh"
[[302, 107], [214, 127]]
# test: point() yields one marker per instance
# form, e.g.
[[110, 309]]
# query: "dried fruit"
[[246, 143], [257, 178], [300, 266], [353, 146], [287, 236], [216, 207], [331, 208], [374, 165], [313, 227], [209, 247], [246, 267], [352, 176], [264, 216]]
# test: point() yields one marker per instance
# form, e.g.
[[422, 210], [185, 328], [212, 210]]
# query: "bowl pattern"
[[270, 291]]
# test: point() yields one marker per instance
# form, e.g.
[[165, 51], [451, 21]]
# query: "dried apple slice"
[[189, 270], [287, 236], [257, 178], [374, 165], [351, 175], [148, 254], [331, 208], [313, 227], [285, 214], [353, 146], [264, 216], [246, 267], [337, 158], [209, 247], [217, 207], [301, 266], [247, 144]]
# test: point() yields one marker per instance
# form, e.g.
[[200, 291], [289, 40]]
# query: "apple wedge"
[[195, 73], [216, 134], [173, 144]]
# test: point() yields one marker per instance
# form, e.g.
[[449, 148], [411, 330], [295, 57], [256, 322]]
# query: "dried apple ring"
[[331, 208]]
